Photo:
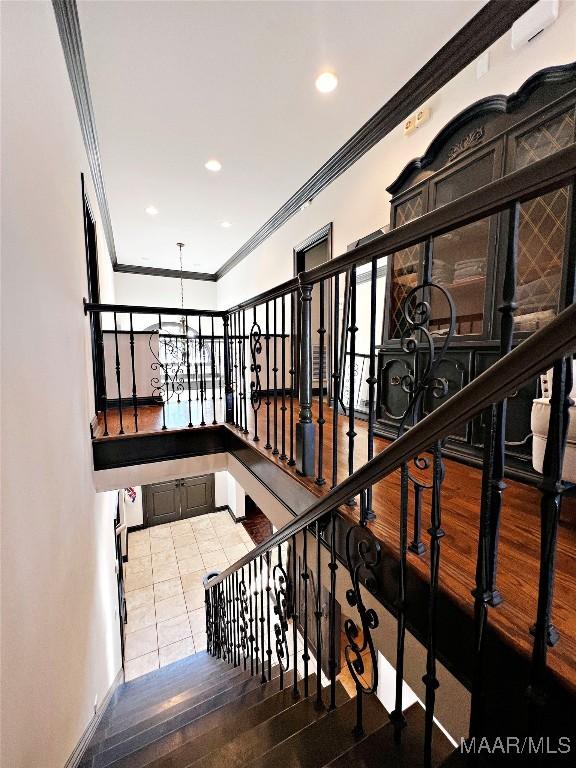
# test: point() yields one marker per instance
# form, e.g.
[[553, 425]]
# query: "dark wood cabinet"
[[178, 499], [493, 137]]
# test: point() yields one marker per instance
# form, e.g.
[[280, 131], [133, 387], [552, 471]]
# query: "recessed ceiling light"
[[326, 82], [213, 165], [152, 210], [225, 224]]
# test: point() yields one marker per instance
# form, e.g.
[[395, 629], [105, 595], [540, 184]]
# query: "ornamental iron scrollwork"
[[255, 367], [244, 631], [362, 556], [417, 310], [282, 611]]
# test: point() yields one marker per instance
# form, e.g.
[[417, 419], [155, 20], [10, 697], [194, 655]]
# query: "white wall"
[[357, 203], [60, 637], [151, 291]]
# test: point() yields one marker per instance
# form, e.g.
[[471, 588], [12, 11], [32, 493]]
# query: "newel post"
[[228, 391], [305, 425]]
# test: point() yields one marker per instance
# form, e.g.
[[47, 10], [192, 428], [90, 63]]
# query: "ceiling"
[[177, 83]]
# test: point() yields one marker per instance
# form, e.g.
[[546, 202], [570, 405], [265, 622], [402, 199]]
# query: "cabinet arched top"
[[484, 120]]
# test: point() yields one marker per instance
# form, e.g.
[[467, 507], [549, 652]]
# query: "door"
[[178, 499], [197, 496]]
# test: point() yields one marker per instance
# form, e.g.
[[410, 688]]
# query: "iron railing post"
[[305, 426]]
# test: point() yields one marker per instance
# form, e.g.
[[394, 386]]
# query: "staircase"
[[205, 713]]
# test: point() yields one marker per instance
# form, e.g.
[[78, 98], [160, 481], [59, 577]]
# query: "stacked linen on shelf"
[[534, 302], [468, 268]]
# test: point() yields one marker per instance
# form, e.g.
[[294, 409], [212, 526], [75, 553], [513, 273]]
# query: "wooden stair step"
[[149, 731], [321, 742], [408, 753], [251, 743], [187, 743]]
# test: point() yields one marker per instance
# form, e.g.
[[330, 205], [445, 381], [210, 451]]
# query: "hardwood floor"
[[518, 563]]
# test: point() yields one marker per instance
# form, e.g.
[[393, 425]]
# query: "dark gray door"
[[161, 502], [178, 499], [197, 495]]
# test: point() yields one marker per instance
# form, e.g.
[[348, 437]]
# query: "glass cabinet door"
[[460, 257], [405, 268], [543, 225]]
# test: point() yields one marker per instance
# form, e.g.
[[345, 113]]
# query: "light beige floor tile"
[[138, 565], [166, 589], [161, 545], [213, 559], [140, 597], [164, 572], [171, 607], [190, 564], [184, 540], [137, 580], [141, 617], [192, 580], [209, 545], [201, 524], [197, 620], [172, 630], [138, 548], [205, 535], [163, 558], [179, 525], [140, 642], [186, 552], [138, 537], [236, 552], [141, 665], [176, 651], [194, 598], [161, 532], [229, 539]]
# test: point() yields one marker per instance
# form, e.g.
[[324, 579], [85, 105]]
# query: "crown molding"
[[68, 23], [161, 272]]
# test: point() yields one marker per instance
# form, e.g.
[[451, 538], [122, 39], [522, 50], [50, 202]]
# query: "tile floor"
[[163, 583]]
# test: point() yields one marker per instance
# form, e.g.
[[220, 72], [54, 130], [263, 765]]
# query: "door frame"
[[179, 483]]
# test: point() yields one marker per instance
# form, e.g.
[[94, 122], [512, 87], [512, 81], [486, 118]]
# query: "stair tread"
[[409, 753], [173, 702], [252, 742], [322, 741], [148, 732], [176, 744]]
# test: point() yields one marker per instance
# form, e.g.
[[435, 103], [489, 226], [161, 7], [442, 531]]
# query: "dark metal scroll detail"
[[282, 611], [362, 556], [255, 368], [244, 631]]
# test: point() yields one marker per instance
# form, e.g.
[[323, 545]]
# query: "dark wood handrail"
[[534, 355], [140, 310]]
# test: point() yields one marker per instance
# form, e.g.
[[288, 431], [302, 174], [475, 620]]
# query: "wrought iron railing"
[[240, 624]]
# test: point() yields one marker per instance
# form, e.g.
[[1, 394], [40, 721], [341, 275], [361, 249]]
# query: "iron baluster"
[[267, 401], [305, 428], [104, 396], [362, 558], [335, 380], [251, 617], [321, 421], [318, 617], [255, 369], [305, 578], [371, 381], [188, 371], [551, 489], [213, 364], [333, 566], [244, 369], [235, 351], [416, 545], [292, 372], [134, 395], [268, 624], [244, 627], [295, 611], [262, 622], [275, 450], [281, 608], [228, 391], [202, 371], [283, 456], [397, 715], [352, 330], [256, 592], [121, 432]]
